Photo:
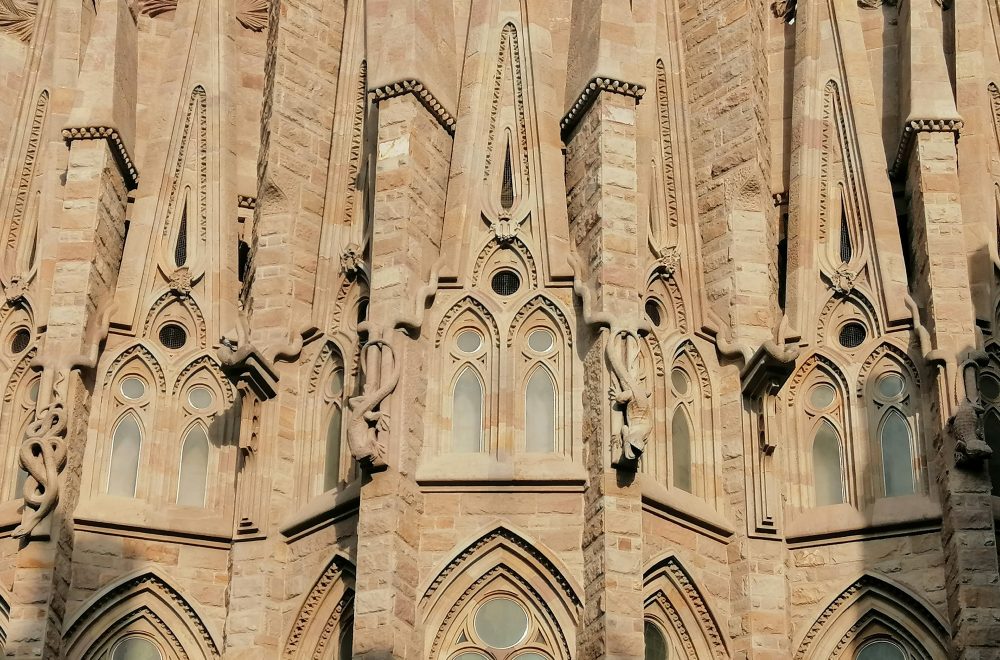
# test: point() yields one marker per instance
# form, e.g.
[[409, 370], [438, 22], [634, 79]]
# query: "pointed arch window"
[[656, 642], [892, 395], [467, 412], [828, 483], [331, 463], [846, 248], [680, 448], [540, 412], [126, 445], [193, 482], [181, 242]]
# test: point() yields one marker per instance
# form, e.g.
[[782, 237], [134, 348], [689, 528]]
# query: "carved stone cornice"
[[910, 130], [422, 94], [129, 172], [590, 92]]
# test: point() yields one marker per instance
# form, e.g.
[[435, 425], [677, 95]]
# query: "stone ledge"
[[129, 173], [526, 472], [842, 523], [684, 509], [322, 511], [106, 514], [422, 94]]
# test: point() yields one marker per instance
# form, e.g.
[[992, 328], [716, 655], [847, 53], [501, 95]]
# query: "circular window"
[[133, 387], [201, 397], [33, 390], [890, 386], [505, 282], [540, 340], [881, 649], [501, 623], [989, 386], [656, 644], [531, 655], [336, 384], [19, 340], [173, 336], [470, 655], [653, 312], [469, 341], [681, 382], [821, 396], [852, 335]]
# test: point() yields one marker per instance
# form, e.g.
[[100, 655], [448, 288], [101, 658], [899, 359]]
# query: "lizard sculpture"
[[629, 395], [365, 424]]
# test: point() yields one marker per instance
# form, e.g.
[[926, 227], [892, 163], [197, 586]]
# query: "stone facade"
[[500, 329]]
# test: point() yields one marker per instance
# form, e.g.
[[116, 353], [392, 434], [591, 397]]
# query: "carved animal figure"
[[630, 396], [234, 351], [43, 456], [365, 425], [966, 426]]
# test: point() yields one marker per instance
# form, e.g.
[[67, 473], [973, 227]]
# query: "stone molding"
[[910, 130], [422, 94], [589, 94], [125, 162], [246, 202]]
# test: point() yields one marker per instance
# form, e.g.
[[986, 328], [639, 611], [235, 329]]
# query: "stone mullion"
[[407, 212], [968, 528], [601, 177]]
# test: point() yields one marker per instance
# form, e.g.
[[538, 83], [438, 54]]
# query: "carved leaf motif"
[[18, 18], [252, 14], [154, 8]]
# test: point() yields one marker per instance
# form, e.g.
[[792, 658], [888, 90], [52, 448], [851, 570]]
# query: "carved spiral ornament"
[[43, 457]]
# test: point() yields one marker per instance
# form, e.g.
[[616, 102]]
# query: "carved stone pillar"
[[600, 136], [80, 257], [412, 151]]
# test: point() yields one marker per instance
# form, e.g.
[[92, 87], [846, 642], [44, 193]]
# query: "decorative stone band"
[[590, 92], [422, 94], [910, 131], [247, 201], [129, 173]]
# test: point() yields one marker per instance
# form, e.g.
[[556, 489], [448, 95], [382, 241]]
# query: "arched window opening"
[[136, 648], [540, 412], [125, 447], [467, 413], [181, 244], [500, 627], [897, 456], [331, 466], [680, 447], [345, 651], [991, 428], [828, 484], [846, 249], [656, 643], [193, 480], [881, 649], [507, 185]]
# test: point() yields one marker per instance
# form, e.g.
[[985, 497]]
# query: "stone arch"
[[499, 553], [872, 601], [325, 609], [143, 359], [839, 309], [205, 368], [520, 259], [887, 351], [475, 308], [182, 310], [147, 602], [676, 603], [550, 308], [666, 293]]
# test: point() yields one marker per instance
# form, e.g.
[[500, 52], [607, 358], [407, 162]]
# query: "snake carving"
[[43, 456], [630, 397], [366, 426]]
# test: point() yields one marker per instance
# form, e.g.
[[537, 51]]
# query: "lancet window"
[[893, 404], [200, 403], [538, 351], [824, 415], [131, 401], [989, 390], [470, 354]]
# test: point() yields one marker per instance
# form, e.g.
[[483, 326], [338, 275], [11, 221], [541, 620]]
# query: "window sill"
[[683, 508], [888, 516], [533, 472], [322, 511], [122, 516]]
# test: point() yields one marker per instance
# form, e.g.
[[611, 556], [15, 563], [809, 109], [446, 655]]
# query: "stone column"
[[80, 254], [601, 177], [412, 155]]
